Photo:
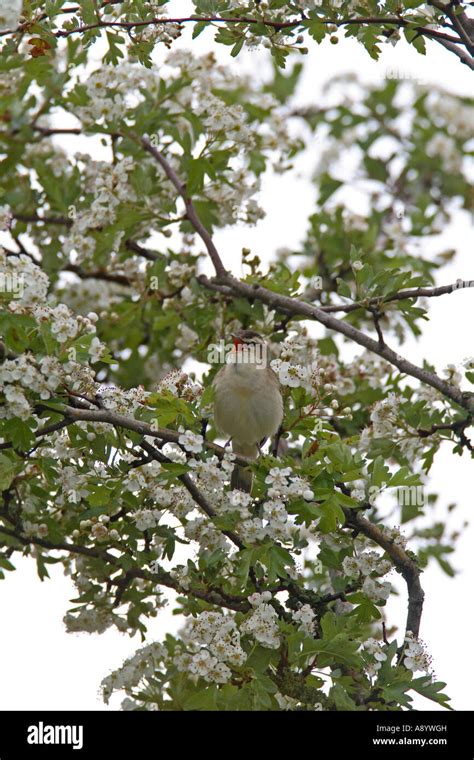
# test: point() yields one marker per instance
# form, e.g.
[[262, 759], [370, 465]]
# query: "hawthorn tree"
[[109, 461]]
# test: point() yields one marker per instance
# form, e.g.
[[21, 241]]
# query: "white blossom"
[[192, 442]]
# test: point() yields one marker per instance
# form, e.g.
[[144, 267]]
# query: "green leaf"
[[403, 477], [380, 472], [332, 515], [343, 288], [327, 187], [19, 433], [431, 690], [6, 564], [173, 469], [115, 52], [317, 30], [277, 561], [207, 396], [416, 39], [283, 86], [341, 698], [195, 172], [261, 658], [238, 46], [339, 650], [365, 611], [8, 471], [100, 496], [205, 699], [199, 28], [376, 168]]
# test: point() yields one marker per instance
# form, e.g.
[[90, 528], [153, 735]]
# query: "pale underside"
[[248, 405]]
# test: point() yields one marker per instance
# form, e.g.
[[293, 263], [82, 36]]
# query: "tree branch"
[[458, 428], [191, 213], [403, 562], [400, 296], [213, 596], [170, 436], [130, 245], [143, 428], [389, 21], [81, 414], [459, 20], [354, 519], [293, 306], [387, 24], [463, 56], [99, 274], [191, 487]]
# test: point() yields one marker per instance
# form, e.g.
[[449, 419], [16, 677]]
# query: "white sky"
[[42, 667]]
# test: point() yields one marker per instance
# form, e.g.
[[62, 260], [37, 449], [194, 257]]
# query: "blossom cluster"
[[415, 654], [21, 374], [444, 147], [64, 324], [213, 648], [305, 618], [367, 564], [376, 650], [92, 620], [262, 624], [29, 284], [109, 101], [457, 115], [107, 186], [25, 375], [274, 520], [142, 664], [179, 384]]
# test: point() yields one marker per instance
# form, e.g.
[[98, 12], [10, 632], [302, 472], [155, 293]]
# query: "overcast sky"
[[43, 667]]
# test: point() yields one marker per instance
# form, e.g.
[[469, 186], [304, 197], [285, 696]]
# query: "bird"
[[248, 404]]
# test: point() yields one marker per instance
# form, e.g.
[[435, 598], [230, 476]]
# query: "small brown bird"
[[248, 405]]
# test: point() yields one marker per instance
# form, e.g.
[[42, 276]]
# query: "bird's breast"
[[247, 403]]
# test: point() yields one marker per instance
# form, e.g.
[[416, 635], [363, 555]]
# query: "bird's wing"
[[274, 377], [218, 375]]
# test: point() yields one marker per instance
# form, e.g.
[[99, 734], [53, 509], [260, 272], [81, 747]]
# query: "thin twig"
[[401, 295]]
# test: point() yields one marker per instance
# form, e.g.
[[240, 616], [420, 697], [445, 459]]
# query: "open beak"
[[236, 341]]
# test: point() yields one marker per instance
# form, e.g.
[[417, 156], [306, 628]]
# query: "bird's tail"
[[242, 477]]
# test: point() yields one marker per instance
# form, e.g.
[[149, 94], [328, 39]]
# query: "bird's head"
[[249, 348], [247, 338]]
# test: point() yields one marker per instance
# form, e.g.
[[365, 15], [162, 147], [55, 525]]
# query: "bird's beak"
[[236, 341]]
